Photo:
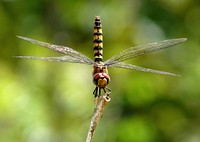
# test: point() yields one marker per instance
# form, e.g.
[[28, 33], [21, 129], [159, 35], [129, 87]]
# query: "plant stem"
[[100, 103]]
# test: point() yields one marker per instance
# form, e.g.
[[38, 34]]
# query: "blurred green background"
[[52, 102]]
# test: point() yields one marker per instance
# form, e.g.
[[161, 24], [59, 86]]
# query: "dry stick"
[[100, 103]]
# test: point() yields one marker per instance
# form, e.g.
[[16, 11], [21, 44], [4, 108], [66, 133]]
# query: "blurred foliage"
[[53, 102]]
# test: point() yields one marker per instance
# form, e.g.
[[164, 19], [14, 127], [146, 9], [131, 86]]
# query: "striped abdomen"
[[98, 40]]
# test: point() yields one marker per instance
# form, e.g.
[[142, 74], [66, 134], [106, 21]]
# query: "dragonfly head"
[[100, 75], [101, 79]]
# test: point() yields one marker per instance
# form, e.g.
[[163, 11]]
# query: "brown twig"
[[100, 103]]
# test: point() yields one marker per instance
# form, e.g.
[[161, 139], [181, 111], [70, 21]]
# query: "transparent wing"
[[56, 59], [71, 54], [142, 50], [133, 67]]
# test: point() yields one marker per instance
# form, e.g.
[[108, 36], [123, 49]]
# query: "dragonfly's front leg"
[[108, 90], [95, 92], [99, 92]]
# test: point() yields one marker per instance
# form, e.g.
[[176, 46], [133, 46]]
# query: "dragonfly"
[[100, 74]]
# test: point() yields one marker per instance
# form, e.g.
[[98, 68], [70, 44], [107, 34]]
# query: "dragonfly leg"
[[109, 90], [99, 92], [95, 91], [104, 90]]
